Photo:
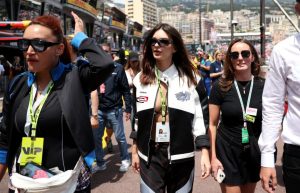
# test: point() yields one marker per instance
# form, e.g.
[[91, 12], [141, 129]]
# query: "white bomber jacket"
[[188, 115]]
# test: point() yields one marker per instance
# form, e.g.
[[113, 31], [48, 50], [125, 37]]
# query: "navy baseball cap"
[[133, 56]]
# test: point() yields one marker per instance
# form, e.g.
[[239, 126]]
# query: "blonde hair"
[[216, 54]]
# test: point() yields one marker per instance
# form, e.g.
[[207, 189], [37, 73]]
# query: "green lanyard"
[[162, 97], [241, 100], [34, 116], [245, 134]]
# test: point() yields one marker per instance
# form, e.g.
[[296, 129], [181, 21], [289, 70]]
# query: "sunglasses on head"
[[235, 55], [161, 42], [37, 44]]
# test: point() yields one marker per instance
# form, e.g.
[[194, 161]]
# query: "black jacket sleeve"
[[4, 123], [125, 90], [203, 140], [99, 67], [13, 90], [133, 133]]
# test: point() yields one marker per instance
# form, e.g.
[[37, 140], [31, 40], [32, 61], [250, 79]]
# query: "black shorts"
[[160, 175], [241, 163]]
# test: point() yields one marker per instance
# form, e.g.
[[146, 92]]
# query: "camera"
[[234, 22]]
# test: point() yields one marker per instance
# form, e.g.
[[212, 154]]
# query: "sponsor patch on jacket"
[[142, 99], [183, 96]]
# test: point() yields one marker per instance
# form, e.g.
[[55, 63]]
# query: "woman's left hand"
[[205, 163], [79, 25]]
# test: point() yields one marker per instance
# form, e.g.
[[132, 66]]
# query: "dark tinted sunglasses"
[[37, 44], [161, 42], [235, 55]]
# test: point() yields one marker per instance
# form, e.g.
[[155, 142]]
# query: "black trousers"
[[291, 168], [86, 190], [160, 175]]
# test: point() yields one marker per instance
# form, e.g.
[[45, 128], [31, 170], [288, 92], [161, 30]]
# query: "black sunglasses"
[[235, 55], [161, 42], [37, 44]]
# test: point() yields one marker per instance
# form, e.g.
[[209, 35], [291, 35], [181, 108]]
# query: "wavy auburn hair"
[[53, 24], [180, 57], [227, 79]]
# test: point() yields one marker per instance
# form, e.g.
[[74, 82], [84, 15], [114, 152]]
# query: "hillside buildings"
[[215, 25]]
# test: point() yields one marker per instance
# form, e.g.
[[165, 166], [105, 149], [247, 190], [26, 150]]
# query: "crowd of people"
[[56, 112], [8, 70]]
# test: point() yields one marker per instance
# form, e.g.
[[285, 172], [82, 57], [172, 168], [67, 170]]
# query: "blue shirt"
[[205, 73], [215, 67]]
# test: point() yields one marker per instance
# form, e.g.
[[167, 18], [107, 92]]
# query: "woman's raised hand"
[[79, 25]]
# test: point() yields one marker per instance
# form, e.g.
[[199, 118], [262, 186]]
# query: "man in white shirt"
[[283, 80]]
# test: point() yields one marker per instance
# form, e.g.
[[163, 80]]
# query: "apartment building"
[[188, 25], [142, 11]]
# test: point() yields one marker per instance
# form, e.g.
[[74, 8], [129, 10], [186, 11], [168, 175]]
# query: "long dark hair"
[[180, 57], [227, 79], [53, 24]]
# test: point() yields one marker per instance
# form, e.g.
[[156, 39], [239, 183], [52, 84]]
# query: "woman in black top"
[[48, 102], [237, 97]]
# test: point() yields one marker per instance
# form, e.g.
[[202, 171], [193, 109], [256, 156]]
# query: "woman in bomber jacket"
[[171, 112], [47, 103]]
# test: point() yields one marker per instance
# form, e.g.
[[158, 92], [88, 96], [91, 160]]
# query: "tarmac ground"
[[112, 181]]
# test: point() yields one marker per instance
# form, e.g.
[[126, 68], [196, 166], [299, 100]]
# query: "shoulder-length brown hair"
[[227, 78], [180, 57]]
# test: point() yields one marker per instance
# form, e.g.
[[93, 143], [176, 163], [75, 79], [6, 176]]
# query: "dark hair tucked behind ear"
[[180, 57], [53, 24]]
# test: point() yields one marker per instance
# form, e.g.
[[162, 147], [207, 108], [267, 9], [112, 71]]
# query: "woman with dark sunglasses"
[[171, 110], [46, 105], [237, 98]]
